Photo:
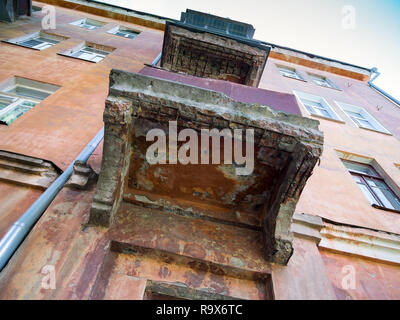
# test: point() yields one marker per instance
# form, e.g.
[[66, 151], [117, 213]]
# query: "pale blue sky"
[[314, 26]]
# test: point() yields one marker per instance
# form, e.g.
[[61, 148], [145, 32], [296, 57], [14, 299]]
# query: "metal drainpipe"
[[20, 229], [383, 92], [157, 59]]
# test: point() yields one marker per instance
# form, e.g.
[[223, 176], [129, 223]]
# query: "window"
[[124, 32], [90, 54], [316, 106], [322, 81], [19, 95], [289, 72], [373, 185], [38, 40], [88, 24], [361, 117]]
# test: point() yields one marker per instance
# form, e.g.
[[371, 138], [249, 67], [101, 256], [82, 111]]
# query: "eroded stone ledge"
[[287, 147]]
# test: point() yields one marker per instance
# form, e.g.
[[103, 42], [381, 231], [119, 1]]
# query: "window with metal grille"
[[289, 72], [372, 185], [19, 95]]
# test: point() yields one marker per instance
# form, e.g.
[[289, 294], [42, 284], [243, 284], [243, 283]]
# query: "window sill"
[[325, 118], [115, 35], [303, 80], [19, 45], [332, 88], [66, 55], [385, 209], [373, 130], [87, 29]]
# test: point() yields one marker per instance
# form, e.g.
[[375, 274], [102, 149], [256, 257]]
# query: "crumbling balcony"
[[286, 149], [204, 45]]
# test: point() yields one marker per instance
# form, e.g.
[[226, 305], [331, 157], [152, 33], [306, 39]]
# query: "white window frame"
[[318, 99], [317, 77], [347, 107], [290, 69], [35, 36], [91, 56], [122, 29], [43, 45], [92, 24], [18, 100]]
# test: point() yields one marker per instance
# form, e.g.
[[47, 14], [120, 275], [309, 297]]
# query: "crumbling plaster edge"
[[188, 95], [358, 241]]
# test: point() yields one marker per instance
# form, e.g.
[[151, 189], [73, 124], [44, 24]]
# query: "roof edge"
[[159, 22]]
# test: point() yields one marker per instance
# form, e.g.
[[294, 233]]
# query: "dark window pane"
[[127, 33], [375, 190], [89, 49], [28, 92], [48, 40], [31, 43], [360, 168], [385, 195]]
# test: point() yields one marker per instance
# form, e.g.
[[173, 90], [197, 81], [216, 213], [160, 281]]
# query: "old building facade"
[[318, 216]]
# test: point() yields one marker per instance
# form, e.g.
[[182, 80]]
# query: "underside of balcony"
[[203, 53], [286, 149]]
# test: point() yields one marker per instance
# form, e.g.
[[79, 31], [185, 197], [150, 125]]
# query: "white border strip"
[[361, 242]]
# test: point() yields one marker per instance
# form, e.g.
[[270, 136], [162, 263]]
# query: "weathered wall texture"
[[15, 199], [339, 198], [59, 127], [22, 180], [373, 279], [150, 252]]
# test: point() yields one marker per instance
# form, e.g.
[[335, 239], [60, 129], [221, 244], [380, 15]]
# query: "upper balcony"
[[278, 101], [204, 45]]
